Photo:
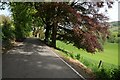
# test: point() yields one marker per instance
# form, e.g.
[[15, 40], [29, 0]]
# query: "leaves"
[[86, 40], [81, 20]]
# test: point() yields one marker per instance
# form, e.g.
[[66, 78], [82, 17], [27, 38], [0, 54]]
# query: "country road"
[[33, 59]]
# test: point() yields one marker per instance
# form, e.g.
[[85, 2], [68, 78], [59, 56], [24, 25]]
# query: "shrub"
[[7, 32], [113, 39], [108, 74], [7, 35], [72, 56], [115, 73], [102, 74], [77, 56]]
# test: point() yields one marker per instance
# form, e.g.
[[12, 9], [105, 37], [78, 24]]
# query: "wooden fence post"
[[100, 63]]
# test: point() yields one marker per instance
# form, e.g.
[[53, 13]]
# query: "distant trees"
[[115, 23], [114, 36]]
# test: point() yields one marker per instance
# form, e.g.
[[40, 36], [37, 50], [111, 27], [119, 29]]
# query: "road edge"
[[67, 64]]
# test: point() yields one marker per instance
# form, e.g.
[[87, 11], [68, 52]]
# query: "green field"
[[108, 56]]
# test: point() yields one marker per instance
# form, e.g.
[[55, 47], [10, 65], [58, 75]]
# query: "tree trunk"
[[54, 32], [47, 33]]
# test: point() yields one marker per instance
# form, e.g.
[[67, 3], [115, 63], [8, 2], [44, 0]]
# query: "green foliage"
[[111, 74], [114, 34], [108, 69], [30, 15], [22, 19], [113, 39], [115, 23], [7, 29], [1, 34], [77, 56], [68, 17], [85, 62], [109, 51], [102, 74], [115, 73], [8, 32], [72, 56]]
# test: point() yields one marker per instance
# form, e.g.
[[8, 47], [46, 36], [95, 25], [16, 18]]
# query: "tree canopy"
[[87, 25], [81, 22]]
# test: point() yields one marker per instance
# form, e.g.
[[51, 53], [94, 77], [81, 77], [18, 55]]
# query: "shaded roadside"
[[32, 59]]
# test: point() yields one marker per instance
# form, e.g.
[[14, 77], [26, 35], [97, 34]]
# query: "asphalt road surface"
[[33, 59]]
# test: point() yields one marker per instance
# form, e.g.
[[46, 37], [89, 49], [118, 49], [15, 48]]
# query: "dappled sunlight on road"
[[33, 59]]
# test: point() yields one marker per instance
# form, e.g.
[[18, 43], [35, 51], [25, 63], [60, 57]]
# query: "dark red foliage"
[[100, 4], [86, 30], [86, 40]]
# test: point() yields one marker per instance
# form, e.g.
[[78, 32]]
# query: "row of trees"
[[7, 30], [81, 21], [7, 34]]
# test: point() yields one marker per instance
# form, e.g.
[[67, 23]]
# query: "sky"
[[112, 12]]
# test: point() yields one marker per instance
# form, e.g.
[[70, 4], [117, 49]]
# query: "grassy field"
[[109, 56]]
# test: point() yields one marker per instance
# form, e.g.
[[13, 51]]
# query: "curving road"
[[33, 59]]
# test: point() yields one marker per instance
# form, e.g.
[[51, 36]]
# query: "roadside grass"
[[109, 57]]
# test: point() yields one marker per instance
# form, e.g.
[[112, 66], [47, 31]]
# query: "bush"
[[8, 33], [108, 74], [72, 56], [113, 39], [77, 56], [102, 74], [115, 73], [7, 36]]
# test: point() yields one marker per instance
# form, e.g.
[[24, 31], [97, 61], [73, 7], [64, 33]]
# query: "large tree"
[[86, 25], [83, 24], [22, 16], [24, 19]]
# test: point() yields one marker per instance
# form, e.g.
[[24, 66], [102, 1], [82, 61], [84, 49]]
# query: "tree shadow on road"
[[33, 60]]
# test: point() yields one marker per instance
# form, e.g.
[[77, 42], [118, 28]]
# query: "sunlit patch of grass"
[[108, 56]]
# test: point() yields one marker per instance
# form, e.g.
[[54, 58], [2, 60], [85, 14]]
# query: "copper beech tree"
[[79, 22], [86, 25]]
